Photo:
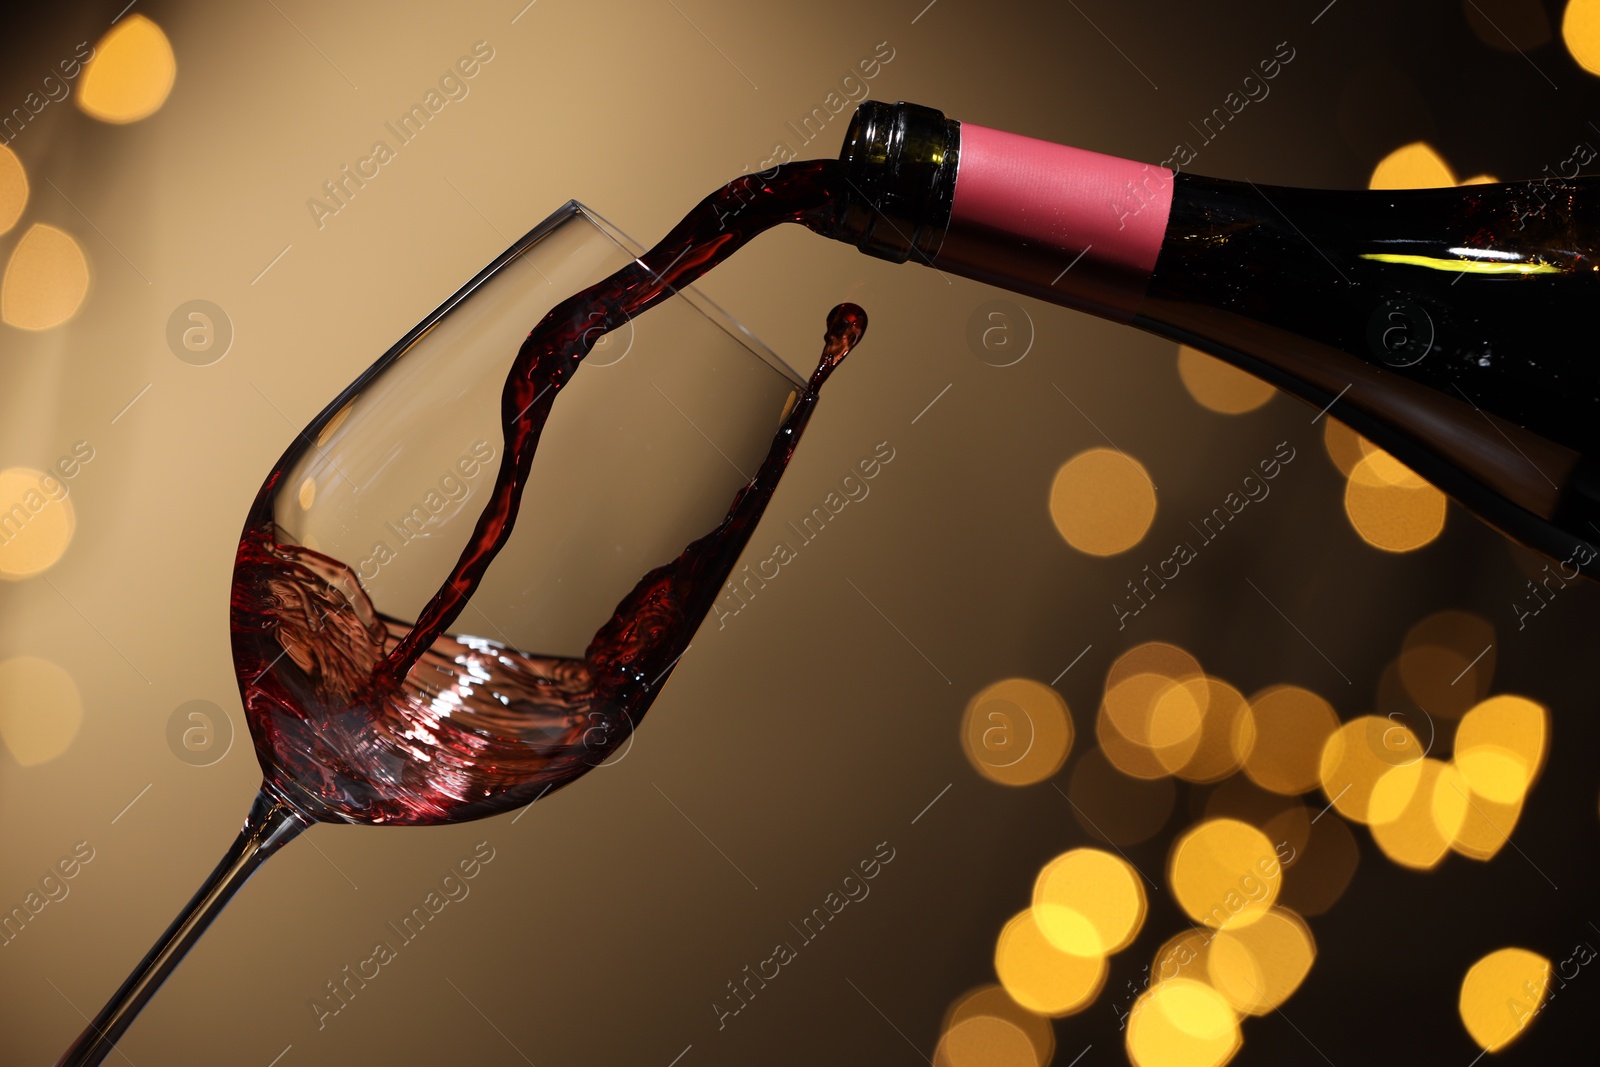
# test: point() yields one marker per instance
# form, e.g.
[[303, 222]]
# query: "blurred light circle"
[[1345, 447], [40, 709], [37, 521], [1219, 386], [1102, 502], [1153, 657], [1415, 820], [130, 74], [1182, 1023], [1412, 166], [1486, 829], [1494, 773], [1184, 955], [13, 188], [1135, 682], [1041, 977], [1390, 507], [1016, 731], [1358, 754], [1227, 733], [1291, 726], [1283, 819], [1224, 873], [993, 1000], [1118, 808], [1134, 760], [1447, 662], [1580, 29], [1258, 967], [46, 279], [1500, 995], [1088, 902], [1160, 716], [1500, 747], [985, 1041]]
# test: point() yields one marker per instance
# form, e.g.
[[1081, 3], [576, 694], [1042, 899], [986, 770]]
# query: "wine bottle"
[[1452, 327]]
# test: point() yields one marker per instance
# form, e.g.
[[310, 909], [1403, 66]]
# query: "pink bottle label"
[[1062, 224]]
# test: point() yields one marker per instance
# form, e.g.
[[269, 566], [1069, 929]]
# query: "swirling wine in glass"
[[361, 717]]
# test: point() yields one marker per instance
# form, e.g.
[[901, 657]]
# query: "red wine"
[[358, 717], [1444, 324]]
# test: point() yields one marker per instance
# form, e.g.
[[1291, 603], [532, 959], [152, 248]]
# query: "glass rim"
[[708, 308]]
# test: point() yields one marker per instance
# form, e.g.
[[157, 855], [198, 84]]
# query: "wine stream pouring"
[[1444, 324], [1450, 326]]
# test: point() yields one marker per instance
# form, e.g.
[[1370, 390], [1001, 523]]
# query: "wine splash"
[[359, 717]]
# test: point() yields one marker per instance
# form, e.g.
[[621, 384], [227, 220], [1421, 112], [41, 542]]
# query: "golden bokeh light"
[[1345, 447], [1486, 829], [1291, 726], [1258, 967], [1224, 873], [1039, 976], [308, 493], [1580, 29], [1102, 502], [131, 73], [1499, 750], [1392, 508], [1281, 818], [1133, 760], [1415, 817], [1447, 662], [46, 279], [1088, 902], [1412, 166], [985, 1041], [993, 1000], [1501, 994], [1220, 386], [1500, 747], [1159, 717], [1150, 718], [1183, 955], [1361, 752], [1227, 732], [1118, 808], [1153, 657], [1016, 731], [13, 188], [36, 522], [40, 710], [1323, 869], [1182, 1023]]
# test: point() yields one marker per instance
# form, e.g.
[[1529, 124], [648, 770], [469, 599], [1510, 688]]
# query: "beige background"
[[808, 730]]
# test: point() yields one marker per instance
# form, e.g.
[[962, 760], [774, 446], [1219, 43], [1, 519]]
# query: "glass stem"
[[271, 823]]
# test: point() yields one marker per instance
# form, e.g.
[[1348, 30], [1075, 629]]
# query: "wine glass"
[[396, 482]]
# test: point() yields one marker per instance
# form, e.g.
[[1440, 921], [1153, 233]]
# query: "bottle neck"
[[1062, 224], [900, 161]]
